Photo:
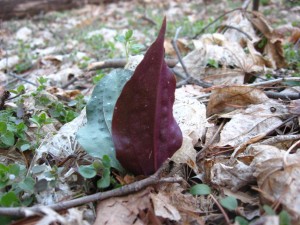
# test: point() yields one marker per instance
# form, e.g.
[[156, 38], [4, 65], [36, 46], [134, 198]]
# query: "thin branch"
[[221, 209], [284, 96], [174, 43], [246, 4], [69, 82], [218, 18], [21, 78], [125, 190], [238, 29], [274, 81], [119, 63], [206, 146]]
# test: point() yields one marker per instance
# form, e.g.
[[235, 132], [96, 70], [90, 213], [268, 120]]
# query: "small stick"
[[221, 209], [235, 28], [21, 78], [174, 43], [208, 25], [118, 63], [127, 189]]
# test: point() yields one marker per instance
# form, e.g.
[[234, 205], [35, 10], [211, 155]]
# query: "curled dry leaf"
[[277, 175], [273, 48], [232, 176], [226, 99]]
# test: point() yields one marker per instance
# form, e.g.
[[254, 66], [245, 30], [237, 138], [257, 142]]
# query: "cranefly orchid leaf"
[[144, 130], [95, 136]]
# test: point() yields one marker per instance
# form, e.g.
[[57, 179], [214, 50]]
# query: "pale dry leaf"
[[238, 20], [190, 114], [163, 207], [186, 154], [124, 210], [277, 175], [226, 99], [24, 34], [63, 76], [255, 120], [232, 176], [9, 62]]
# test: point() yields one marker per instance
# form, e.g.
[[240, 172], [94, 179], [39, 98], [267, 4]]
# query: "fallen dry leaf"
[[127, 210], [226, 99], [273, 48], [277, 175]]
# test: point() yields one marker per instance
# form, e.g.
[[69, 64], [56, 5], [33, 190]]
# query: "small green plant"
[[13, 184], [99, 75], [40, 120], [102, 168], [129, 42], [212, 63], [284, 217], [292, 56], [24, 53], [12, 131]]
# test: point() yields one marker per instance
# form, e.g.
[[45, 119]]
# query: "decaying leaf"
[[273, 47], [256, 119], [294, 107], [144, 130], [277, 175], [131, 209], [226, 99], [163, 207]]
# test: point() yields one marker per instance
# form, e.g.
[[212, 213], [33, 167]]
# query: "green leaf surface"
[[87, 171], [3, 127], [229, 203], [269, 210], [27, 184], [284, 218], [95, 136], [10, 199], [8, 138], [104, 182], [200, 189], [241, 220]]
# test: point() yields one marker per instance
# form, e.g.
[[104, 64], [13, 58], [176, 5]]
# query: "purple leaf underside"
[[144, 130]]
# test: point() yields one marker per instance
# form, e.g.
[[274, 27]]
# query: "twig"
[[284, 96], [206, 146], [192, 80], [125, 190], [238, 29], [275, 81], [221, 209], [174, 43], [246, 4], [21, 78], [118, 63], [69, 83], [152, 22], [219, 17], [288, 152]]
